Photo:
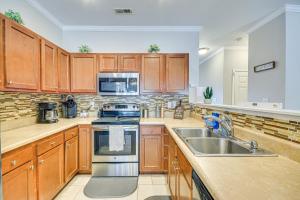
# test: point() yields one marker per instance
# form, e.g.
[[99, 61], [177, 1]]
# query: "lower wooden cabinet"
[[20, 183], [50, 177], [71, 158], [85, 149], [151, 151]]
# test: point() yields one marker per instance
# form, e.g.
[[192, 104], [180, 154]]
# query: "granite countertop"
[[15, 138], [239, 178]]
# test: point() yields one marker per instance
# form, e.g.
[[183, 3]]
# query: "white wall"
[[138, 42], [267, 44], [292, 72], [211, 74], [34, 20], [233, 59]]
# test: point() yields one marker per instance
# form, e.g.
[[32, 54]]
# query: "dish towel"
[[116, 138]]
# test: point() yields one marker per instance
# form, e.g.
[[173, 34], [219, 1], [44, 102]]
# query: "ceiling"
[[222, 21]]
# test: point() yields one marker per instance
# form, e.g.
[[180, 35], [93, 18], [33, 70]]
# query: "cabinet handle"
[[41, 162], [9, 82], [31, 167], [13, 163], [52, 143]]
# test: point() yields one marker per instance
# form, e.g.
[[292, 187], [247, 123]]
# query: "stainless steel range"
[[115, 141]]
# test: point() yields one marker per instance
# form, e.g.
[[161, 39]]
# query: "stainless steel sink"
[[203, 142]]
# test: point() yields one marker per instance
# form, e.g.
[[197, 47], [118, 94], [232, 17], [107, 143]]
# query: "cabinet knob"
[[67, 145], [31, 167], [52, 143], [41, 162], [13, 163], [9, 82]]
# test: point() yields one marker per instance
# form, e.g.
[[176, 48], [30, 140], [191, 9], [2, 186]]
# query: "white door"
[[240, 87]]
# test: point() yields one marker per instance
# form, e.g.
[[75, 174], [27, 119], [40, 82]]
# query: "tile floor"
[[148, 185]]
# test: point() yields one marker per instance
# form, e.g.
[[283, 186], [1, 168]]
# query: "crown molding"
[[134, 28], [212, 55], [45, 12], [273, 15]]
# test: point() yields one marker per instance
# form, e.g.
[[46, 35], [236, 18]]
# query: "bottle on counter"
[[162, 111], [158, 111], [179, 111]]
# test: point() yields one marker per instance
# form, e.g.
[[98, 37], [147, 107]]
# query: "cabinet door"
[[20, 183], [83, 73], [22, 58], [172, 172], [49, 70], [177, 73], [71, 158], [63, 64], [151, 153], [129, 63], [50, 173], [108, 63], [85, 149], [2, 25], [153, 73], [184, 190]]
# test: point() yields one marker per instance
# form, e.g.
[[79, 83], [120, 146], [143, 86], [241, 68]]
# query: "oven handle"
[[106, 128]]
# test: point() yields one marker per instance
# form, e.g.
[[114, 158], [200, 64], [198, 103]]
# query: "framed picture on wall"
[[264, 67]]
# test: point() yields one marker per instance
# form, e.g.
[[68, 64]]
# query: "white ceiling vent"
[[123, 11]]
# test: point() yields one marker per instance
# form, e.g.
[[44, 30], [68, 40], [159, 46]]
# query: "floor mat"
[[159, 198], [110, 187]]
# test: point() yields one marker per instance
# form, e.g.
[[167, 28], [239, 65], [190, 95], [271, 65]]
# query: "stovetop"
[[117, 121]]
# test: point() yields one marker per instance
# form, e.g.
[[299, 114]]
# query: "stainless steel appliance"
[[200, 192], [47, 112], [118, 84], [116, 163], [69, 107]]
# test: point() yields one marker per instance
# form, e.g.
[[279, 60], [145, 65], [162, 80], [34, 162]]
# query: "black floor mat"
[[159, 198]]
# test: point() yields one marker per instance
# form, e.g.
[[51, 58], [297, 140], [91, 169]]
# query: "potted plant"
[[208, 93], [14, 16], [154, 48], [84, 48]]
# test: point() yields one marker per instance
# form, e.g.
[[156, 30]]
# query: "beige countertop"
[[15, 138], [239, 178]]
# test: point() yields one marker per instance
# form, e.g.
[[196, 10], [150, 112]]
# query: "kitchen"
[[93, 108]]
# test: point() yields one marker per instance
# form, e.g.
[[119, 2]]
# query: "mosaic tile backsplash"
[[21, 105], [285, 129]]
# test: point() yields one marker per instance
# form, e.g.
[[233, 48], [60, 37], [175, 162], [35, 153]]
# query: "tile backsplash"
[[285, 129], [15, 106]]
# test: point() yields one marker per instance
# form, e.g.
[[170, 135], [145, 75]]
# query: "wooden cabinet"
[[2, 25], [184, 190], [108, 63], [20, 183], [129, 63], [49, 70], [22, 58], [153, 73], [83, 73], [151, 151], [173, 169], [71, 158], [50, 176], [64, 76], [177, 73], [85, 150]]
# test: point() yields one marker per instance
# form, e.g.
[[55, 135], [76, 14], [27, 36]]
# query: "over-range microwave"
[[118, 84]]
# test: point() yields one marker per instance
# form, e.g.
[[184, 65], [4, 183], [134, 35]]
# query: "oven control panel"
[[121, 107]]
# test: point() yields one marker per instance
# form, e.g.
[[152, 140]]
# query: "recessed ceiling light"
[[203, 51]]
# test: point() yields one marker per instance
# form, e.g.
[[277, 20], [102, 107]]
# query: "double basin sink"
[[203, 142]]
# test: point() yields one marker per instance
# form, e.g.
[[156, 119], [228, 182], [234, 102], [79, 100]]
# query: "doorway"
[[239, 86]]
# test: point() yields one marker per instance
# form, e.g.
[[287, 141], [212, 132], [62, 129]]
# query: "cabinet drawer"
[[17, 158], [50, 143], [185, 167], [151, 130], [70, 133]]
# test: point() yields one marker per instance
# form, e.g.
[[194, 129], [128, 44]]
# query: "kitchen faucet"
[[225, 123]]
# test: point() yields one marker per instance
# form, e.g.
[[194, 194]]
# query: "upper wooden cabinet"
[[177, 73], [153, 73], [108, 63], [49, 69], [22, 58], [64, 76], [129, 63], [83, 73], [2, 25]]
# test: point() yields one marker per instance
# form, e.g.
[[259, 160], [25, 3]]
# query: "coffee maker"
[[69, 107], [47, 112]]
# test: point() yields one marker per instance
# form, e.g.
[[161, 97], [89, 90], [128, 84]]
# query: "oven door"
[[118, 84], [100, 145]]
